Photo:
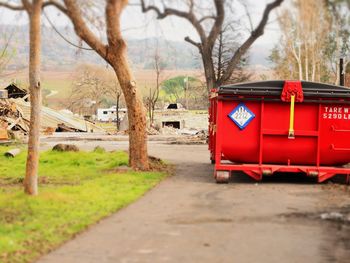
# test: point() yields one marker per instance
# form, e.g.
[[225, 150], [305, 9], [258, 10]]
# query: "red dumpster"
[[280, 126]]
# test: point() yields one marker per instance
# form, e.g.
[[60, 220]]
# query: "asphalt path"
[[190, 218]]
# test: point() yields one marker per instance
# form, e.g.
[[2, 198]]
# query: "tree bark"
[[115, 54], [117, 112], [138, 156], [31, 177], [209, 71], [117, 58]]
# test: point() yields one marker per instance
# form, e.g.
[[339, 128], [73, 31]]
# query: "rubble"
[[11, 119], [15, 116], [343, 216], [167, 130], [152, 131], [55, 119]]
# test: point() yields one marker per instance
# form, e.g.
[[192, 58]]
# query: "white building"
[[110, 114]]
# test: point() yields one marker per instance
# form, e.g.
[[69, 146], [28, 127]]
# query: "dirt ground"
[[190, 218]]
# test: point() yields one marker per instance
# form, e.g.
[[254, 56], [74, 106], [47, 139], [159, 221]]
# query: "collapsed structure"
[[15, 117]]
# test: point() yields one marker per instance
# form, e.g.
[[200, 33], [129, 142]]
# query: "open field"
[[76, 190], [60, 82]]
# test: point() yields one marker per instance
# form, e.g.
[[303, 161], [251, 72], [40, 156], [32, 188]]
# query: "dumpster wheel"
[[222, 177]]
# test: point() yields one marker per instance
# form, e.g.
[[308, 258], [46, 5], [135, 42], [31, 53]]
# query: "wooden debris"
[[11, 119], [3, 134], [15, 116], [49, 131], [64, 128]]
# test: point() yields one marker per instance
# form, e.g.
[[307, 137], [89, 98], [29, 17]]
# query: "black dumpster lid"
[[274, 88]]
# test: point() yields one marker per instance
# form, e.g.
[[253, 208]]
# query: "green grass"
[[76, 190]]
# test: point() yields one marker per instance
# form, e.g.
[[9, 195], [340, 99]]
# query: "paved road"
[[189, 218]]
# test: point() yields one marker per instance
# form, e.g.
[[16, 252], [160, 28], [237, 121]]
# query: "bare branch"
[[248, 15], [259, 31], [173, 12], [189, 40], [206, 18], [219, 20], [113, 12], [81, 29], [27, 6], [62, 36], [55, 4], [165, 13], [12, 7]]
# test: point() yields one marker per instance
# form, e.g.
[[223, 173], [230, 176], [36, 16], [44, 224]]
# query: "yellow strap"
[[291, 119]]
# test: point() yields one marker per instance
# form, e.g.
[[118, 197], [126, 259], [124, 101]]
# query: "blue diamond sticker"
[[241, 116]]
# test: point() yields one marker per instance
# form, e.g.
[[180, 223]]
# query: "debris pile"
[[11, 119], [336, 216], [15, 116], [168, 130], [61, 122], [152, 131], [200, 137], [180, 136]]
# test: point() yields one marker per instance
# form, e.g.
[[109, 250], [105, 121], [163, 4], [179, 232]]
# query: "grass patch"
[[76, 190]]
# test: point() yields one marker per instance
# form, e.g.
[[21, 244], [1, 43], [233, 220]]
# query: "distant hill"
[[57, 54]]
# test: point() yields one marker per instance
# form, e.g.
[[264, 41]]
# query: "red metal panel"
[[335, 132], [262, 146], [212, 124]]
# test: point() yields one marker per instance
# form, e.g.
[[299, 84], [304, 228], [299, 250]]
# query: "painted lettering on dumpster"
[[336, 113]]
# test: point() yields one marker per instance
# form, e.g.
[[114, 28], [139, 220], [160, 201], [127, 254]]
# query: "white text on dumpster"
[[336, 113]]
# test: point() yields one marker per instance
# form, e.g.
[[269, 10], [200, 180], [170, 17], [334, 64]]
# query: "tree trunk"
[[117, 112], [138, 155], [149, 107], [186, 93], [152, 116], [306, 62], [31, 178], [313, 76], [337, 73], [220, 57], [115, 54], [209, 68]]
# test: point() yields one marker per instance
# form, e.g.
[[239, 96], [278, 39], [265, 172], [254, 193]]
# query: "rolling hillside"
[[57, 54]]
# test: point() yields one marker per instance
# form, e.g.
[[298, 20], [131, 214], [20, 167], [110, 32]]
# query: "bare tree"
[[304, 46], [92, 87], [116, 93], [114, 53], [208, 38], [88, 89], [225, 46], [6, 53], [338, 44], [153, 96], [33, 9]]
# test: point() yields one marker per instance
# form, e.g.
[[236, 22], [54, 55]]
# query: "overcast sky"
[[176, 28], [138, 25]]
